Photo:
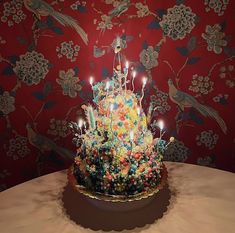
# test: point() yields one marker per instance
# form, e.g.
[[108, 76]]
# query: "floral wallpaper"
[[50, 48]]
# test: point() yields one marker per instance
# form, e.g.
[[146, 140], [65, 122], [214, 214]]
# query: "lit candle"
[[91, 81], [133, 79], [161, 127], [125, 74], [80, 124], [144, 81]]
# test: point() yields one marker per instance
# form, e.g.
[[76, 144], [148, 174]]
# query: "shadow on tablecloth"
[[83, 213]]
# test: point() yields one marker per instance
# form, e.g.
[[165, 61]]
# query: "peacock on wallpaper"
[[50, 48]]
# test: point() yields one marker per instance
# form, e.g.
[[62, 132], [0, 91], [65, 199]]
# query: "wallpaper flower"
[[214, 38], [50, 48], [148, 57], [178, 21], [69, 83], [31, 68], [7, 103]]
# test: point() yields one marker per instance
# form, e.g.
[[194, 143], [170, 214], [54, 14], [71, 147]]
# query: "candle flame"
[[134, 74], [91, 80], [80, 123], [127, 64], [144, 80], [138, 111], [161, 124]]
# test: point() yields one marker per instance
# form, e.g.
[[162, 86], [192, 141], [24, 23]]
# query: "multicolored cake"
[[117, 154]]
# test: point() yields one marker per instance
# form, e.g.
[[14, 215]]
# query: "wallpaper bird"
[[45, 144], [120, 8], [41, 8], [185, 100]]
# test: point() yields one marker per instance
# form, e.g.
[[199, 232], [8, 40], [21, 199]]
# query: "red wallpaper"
[[49, 49]]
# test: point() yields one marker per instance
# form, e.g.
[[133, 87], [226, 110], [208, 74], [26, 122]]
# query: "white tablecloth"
[[197, 199]]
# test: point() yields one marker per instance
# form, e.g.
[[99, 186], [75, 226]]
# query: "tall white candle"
[[144, 81], [133, 79], [125, 74]]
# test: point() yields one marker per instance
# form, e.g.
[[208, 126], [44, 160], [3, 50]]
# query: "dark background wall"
[[45, 68]]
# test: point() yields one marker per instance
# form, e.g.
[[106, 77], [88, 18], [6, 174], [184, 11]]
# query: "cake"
[[116, 152]]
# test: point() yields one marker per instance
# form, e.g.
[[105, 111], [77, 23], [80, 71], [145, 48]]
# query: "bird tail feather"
[[64, 153], [69, 21], [208, 111]]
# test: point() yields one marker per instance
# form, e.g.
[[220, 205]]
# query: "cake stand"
[[118, 202]]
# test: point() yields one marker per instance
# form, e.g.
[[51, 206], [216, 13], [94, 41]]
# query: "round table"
[[196, 199]]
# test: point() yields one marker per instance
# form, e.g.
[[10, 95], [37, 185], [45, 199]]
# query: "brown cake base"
[[118, 202]]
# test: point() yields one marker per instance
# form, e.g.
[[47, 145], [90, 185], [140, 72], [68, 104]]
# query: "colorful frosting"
[[117, 155]]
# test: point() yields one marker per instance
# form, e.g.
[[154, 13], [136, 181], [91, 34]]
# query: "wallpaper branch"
[[50, 48]]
